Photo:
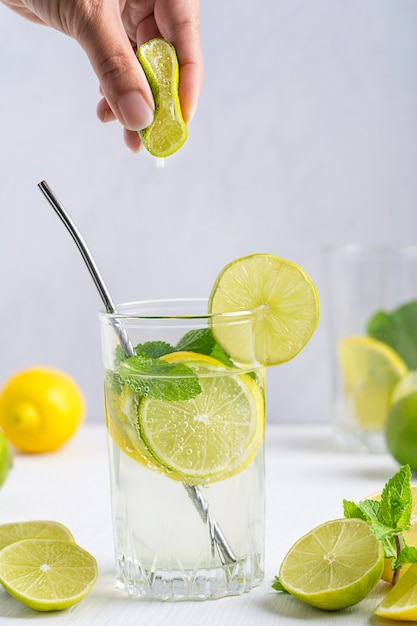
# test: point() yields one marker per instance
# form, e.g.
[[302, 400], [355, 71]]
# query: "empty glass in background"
[[362, 280], [177, 537]]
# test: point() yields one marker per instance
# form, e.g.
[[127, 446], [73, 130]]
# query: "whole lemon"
[[40, 409], [401, 430]]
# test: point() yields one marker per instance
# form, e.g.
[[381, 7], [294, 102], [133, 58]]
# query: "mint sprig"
[[389, 518]]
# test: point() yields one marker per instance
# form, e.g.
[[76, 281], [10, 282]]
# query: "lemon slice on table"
[[168, 131], [38, 529], [410, 535], [370, 370], [400, 603], [333, 566], [209, 437], [286, 298], [47, 575]]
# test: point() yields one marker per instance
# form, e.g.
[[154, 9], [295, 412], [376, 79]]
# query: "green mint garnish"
[[200, 341], [277, 585], [398, 329], [154, 349], [389, 518], [159, 379]]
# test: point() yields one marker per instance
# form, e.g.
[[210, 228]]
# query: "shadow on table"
[[284, 605]]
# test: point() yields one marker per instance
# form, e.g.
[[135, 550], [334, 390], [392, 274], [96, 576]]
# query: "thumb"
[[122, 80]]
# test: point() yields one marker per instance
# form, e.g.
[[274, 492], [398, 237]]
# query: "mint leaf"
[[351, 509], [114, 382], [119, 355], [277, 585], [200, 341], [158, 379], [397, 500], [408, 554], [398, 329], [219, 354], [154, 349]]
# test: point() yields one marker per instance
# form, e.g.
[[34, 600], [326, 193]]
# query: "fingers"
[[122, 80]]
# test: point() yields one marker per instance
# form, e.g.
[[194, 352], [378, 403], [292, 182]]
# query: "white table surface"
[[307, 480]]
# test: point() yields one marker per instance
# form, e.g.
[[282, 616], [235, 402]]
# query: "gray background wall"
[[305, 135]]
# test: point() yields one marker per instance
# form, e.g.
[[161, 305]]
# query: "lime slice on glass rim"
[[47, 575], [288, 303], [168, 131], [38, 529], [333, 566], [219, 429]]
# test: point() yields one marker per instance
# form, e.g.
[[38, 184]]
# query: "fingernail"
[[136, 112]]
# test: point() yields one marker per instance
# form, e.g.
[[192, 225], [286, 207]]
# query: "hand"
[[109, 31]]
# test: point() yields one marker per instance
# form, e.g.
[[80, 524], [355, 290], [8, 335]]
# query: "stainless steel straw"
[[217, 538]]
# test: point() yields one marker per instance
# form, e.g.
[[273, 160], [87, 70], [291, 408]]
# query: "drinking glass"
[[187, 475], [363, 280]]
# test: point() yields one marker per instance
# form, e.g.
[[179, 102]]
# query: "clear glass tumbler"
[[363, 281], [185, 431]]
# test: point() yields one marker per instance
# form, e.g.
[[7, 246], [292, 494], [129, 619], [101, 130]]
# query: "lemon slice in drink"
[[288, 308], [333, 566], [168, 131], [400, 603], [47, 575], [370, 370], [38, 529], [211, 436]]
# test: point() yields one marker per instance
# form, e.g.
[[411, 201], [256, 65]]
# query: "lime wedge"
[[400, 603], [333, 566], [47, 575], [38, 529], [288, 303], [209, 437], [370, 370], [168, 131]]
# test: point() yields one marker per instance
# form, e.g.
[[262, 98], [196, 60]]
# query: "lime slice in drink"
[[168, 131], [47, 575], [370, 370], [288, 304], [38, 529], [400, 603], [333, 566], [209, 437]]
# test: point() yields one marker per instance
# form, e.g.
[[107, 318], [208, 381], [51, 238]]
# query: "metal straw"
[[217, 538]]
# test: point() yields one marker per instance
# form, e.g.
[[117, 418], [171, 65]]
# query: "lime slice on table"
[[47, 575], [400, 603], [168, 131], [38, 529], [370, 370], [288, 304], [215, 434], [333, 566]]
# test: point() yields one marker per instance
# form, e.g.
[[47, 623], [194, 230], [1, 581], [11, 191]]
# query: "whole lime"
[[5, 458], [401, 431]]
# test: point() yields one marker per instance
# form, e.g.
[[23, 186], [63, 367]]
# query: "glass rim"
[[131, 315]]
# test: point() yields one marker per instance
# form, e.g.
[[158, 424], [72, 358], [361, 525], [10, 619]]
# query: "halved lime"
[[287, 301], [370, 370], [333, 566], [400, 603], [38, 529], [168, 131], [209, 437], [47, 575]]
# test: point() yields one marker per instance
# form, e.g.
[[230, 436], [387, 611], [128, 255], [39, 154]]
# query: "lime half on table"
[[287, 300]]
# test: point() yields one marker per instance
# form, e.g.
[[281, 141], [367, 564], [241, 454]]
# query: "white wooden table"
[[307, 480]]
